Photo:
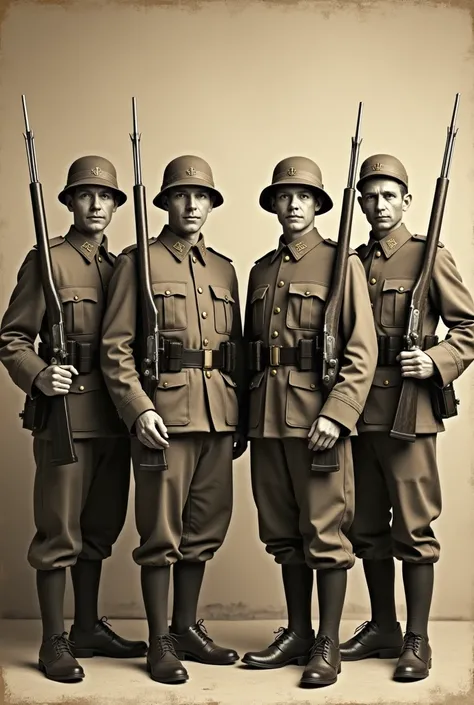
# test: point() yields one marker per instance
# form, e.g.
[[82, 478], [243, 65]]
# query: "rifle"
[[404, 425], [326, 460], [150, 458], [62, 445]]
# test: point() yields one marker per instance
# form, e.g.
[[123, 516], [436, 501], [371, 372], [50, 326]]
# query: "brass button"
[[204, 314], [273, 373], [226, 298], [99, 258], [281, 283], [81, 388], [165, 384], [76, 297], [373, 280], [313, 386], [386, 382], [378, 253], [307, 293], [401, 288], [275, 334], [199, 290], [208, 374], [277, 309], [167, 293], [194, 259], [205, 342], [286, 258]]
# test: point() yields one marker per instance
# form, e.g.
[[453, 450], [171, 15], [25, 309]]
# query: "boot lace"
[[320, 647], [165, 643], [365, 625], [281, 633], [202, 632], [412, 641], [106, 626], [61, 644]]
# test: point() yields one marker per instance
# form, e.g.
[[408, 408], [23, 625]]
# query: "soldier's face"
[[93, 207], [295, 207], [188, 208], [383, 203]]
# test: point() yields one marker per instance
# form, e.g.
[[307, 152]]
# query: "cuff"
[[447, 362], [27, 371], [342, 410], [135, 408]]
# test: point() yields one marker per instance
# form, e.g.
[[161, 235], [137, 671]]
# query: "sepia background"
[[242, 84]]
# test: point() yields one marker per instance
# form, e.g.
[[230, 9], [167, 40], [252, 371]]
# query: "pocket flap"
[[259, 293], [307, 289], [400, 285], [257, 380], [228, 379], [387, 377], [171, 380], [303, 380], [81, 384], [78, 293], [221, 293], [169, 288]]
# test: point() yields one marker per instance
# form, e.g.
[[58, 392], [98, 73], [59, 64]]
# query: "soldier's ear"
[[69, 202], [361, 203], [166, 203], [273, 204], [317, 205], [407, 198]]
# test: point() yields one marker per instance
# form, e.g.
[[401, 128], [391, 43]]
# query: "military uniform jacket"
[[81, 271], [196, 296], [392, 267], [286, 295]]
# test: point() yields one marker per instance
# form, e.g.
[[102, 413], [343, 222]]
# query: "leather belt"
[[174, 356], [391, 345], [83, 356], [304, 356]]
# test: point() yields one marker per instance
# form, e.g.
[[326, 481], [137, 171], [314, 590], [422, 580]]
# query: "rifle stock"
[[150, 459], [327, 460], [404, 424], [62, 444]]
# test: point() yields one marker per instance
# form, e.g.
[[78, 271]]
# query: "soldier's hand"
[[416, 363], [55, 379], [151, 431], [240, 445], [323, 434]]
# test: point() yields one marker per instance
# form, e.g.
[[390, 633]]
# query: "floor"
[[110, 682]]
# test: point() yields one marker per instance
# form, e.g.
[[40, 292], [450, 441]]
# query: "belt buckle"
[[207, 359], [275, 355]]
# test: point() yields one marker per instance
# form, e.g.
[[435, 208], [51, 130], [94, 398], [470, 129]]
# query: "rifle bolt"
[[332, 363], [326, 378]]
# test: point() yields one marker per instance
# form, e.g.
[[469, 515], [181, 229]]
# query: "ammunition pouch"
[[35, 413], [305, 356], [82, 356], [174, 357]]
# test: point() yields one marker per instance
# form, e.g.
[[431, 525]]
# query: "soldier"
[[393, 475], [304, 516], [182, 513], [79, 509]]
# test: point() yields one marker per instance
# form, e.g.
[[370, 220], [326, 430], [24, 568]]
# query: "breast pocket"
[[80, 309], [223, 313], [395, 301], [306, 305], [170, 302], [258, 301]]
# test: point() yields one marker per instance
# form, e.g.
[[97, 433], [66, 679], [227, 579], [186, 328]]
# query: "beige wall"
[[242, 85]]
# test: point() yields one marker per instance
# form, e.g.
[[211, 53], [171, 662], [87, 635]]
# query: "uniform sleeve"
[[118, 336], [455, 305], [359, 358], [21, 325]]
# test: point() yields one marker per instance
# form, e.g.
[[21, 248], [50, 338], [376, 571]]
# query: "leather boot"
[[56, 660], [196, 645], [102, 641], [324, 664], [415, 661], [162, 662], [287, 648], [369, 642]]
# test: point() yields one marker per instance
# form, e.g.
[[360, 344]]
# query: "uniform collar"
[[181, 248], [390, 244], [86, 248], [298, 248]]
